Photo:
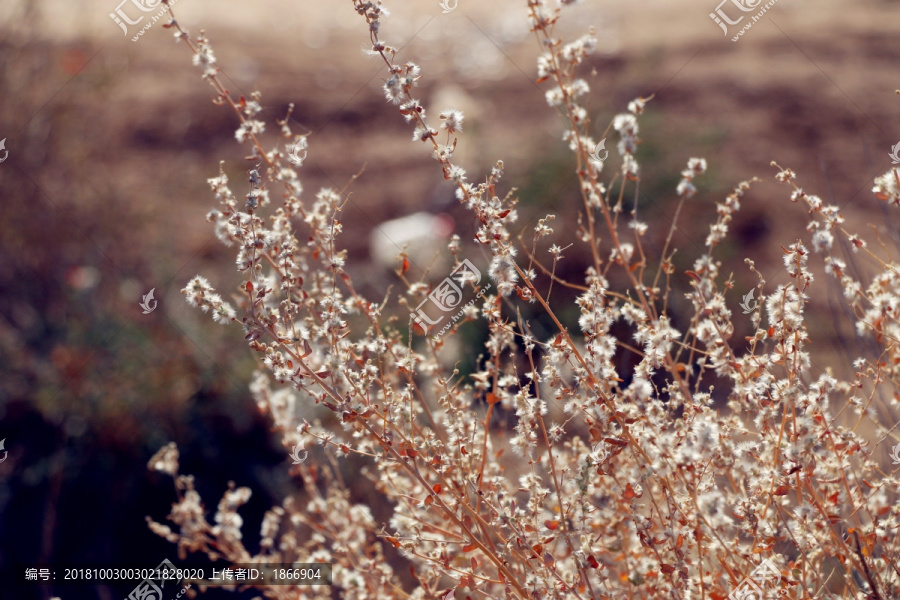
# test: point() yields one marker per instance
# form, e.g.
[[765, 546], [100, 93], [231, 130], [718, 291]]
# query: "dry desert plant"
[[611, 485]]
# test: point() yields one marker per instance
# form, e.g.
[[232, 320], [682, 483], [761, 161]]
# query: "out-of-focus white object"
[[424, 236]]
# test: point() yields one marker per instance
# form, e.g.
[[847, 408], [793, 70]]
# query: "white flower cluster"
[[887, 187], [642, 453], [696, 166], [200, 293]]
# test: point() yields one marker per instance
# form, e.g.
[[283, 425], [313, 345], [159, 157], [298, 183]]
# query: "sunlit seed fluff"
[[451, 121]]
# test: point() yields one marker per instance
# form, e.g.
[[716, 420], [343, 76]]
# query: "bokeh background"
[[103, 197]]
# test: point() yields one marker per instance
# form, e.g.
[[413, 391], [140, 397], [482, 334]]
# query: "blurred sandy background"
[[104, 195]]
